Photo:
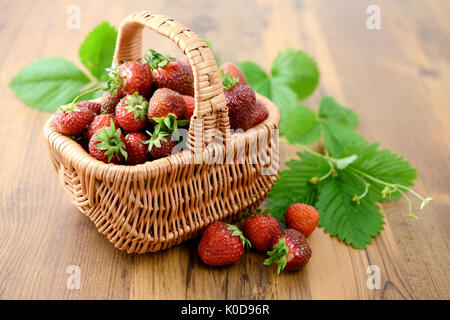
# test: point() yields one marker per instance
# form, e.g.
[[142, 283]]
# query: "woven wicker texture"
[[156, 205]]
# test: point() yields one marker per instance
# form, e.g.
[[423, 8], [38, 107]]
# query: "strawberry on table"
[[240, 100], [302, 217], [136, 149], [130, 76], [290, 251], [221, 244], [168, 72], [109, 101], [99, 122], [234, 71], [108, 145], [260, 230], [131, 112], [165, 101]]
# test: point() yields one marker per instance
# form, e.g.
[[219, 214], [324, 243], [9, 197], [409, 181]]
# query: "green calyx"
[[113, 80], [169, 124], [278, 255], [110, 141], [73, 106], [228, 81], [157, 60], [137, 105], [238, 233], [156, 138]]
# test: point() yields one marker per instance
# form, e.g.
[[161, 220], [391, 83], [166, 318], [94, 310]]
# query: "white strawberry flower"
[[425, 202]]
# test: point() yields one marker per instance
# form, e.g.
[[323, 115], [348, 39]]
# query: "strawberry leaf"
[[354, 223], [298, 71], [97, 50], [48, 83], [293, 185], [332, 110]]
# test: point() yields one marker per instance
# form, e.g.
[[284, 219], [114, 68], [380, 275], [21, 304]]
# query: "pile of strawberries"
[[222, 244], [138, 116]]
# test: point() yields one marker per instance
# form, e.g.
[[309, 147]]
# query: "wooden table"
[[396, 78]]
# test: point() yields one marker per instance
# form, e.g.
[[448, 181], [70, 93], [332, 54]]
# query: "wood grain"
[[395, 78]]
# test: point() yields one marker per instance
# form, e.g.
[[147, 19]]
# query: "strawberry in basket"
[[108, 144], [168, 72], [130, 76], [136, 148], [131, 112], [73, 119], [165, 136], [241, 101], [165, 101]]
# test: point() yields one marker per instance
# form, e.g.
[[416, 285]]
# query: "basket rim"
[[72, 149]]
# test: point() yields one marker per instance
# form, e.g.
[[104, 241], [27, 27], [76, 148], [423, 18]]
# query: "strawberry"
[[160, 145], [240, 99], [130, 76], [72, 119], [260, 113], [260, 230], [136, 149], [108, 145], [234, 71], [290, 250], [302, 217], [165, 101], [99, 122], [190, 106], [109, 101], [221, 244], [168, 72], [131, 112], [94, 107]]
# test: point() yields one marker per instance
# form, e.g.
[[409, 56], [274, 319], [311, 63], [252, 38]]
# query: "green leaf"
[[382, 165], [48, 83], [97, 50], [257, 78], [355, 224], [337, 136], [301, 126], [333, 111], [297, 70], [293, 185]]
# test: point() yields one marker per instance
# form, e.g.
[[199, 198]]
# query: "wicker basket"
[[159, 204]]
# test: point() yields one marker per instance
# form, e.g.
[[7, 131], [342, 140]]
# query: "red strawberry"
[[221, 244], [131, 112], [168, 72], [260, 113], [108, 145], [290, 250], [109, 101], [71, 120], [241, 101], [160, 144], [302, 217], [99, 122], [136, 149], [234, 71], [190, 106], [94, 107], [130, 76], [260, 230], [165, 101]]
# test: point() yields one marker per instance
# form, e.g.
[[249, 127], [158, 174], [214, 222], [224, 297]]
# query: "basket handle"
[[210, 110]]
